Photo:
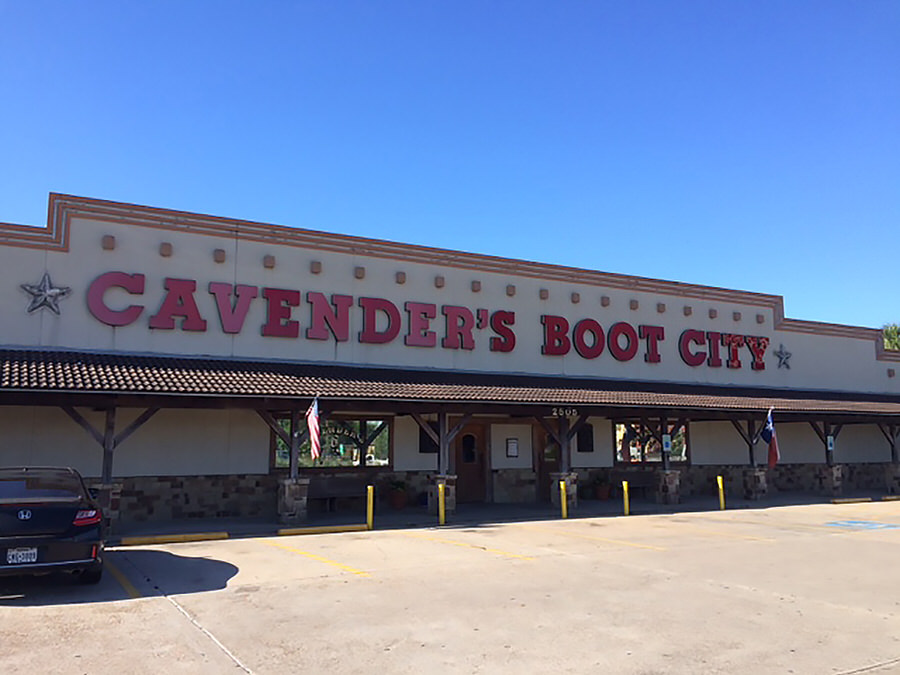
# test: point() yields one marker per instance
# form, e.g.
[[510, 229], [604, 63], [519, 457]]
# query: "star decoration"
[[45, 294], [783, 357]]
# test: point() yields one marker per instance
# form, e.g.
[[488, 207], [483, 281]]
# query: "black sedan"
[[49, 522]]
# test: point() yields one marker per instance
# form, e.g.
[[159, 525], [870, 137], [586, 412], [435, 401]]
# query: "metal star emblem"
[[45, 294], [783, 357]]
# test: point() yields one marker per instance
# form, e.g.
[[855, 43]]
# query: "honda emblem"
[[24, 514]]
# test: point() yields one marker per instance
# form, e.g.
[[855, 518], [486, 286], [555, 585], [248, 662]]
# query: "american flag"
[[312, 423]]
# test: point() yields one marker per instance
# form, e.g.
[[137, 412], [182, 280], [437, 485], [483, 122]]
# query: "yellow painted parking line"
[[463, 544], [126, 585], [605, 540], [719, 533], [891, 498], [851, 500], [322, 529], [317, 558], [172, 538]]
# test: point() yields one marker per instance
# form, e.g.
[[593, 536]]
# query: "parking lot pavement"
[[802, 589]]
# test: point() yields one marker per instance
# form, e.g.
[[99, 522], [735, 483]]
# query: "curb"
[[214, 536], [851, 500]]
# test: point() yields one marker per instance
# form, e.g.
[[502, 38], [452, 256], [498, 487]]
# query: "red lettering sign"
[[372, 308], [278, 315], [179, 302], [96, 298], [329, 319], [232, 315], [420, 316]]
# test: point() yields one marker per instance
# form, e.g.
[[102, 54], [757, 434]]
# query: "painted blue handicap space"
[[863, 525]]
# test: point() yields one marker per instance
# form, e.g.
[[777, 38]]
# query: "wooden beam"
[[134, 426], [426, 427], [553, 433], [459, 427], [376, 433], [83, 423], [580, 422], [819, 432], [744, 435], [275, 426]]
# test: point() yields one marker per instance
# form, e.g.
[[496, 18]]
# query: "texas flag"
[[768, 435], [312, 423]]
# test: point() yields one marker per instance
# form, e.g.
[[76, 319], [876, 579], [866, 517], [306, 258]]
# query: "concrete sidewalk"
[[466, 515]]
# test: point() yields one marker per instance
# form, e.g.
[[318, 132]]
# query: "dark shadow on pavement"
[[147, 573]]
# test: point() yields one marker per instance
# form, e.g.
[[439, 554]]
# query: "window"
[[469, 449], [340, 443], [638, 442], [585, 438]]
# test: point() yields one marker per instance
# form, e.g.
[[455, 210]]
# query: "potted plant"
[[398, 497]]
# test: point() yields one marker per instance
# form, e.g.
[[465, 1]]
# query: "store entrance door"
[[548, 463], [470, 464]]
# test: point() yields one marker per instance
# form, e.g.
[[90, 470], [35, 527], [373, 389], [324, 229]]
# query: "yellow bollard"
[[625, 499], [370, 507], [442, 511], [721, 493], [563, 499]]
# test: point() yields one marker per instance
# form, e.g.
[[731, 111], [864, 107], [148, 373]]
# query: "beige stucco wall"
[[719, 443], [499, 434], [861, 443], [851, 363], [173, 442], [406, 447], [602, 454]]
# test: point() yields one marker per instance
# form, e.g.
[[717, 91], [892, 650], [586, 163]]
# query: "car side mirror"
[[94, 493]]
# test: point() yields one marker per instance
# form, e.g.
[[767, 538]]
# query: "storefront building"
[[171, 357]]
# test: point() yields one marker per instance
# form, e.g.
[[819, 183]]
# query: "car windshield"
[[31, 487]]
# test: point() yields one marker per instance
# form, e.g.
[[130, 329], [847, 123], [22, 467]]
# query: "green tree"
[[891, 334]]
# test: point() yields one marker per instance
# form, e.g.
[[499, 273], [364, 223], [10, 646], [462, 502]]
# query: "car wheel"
[[91, 575]]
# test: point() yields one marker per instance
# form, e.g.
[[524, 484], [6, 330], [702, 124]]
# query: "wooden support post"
[[295, 444], [444, 467], [565, 459], [750, 437], [109, 445], [109, 440], [663, 430], [890, 432]]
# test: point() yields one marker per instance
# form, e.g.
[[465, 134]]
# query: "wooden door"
[[470, 449], [548, 457]]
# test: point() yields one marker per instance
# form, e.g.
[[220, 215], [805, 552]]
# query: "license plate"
[[21, 556]]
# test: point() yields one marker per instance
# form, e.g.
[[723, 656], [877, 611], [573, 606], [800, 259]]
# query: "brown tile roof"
[[93, 373]]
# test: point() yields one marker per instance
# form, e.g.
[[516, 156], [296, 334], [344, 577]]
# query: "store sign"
[[115, 298]]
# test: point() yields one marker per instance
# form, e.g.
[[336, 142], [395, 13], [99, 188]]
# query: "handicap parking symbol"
[[863, 525]]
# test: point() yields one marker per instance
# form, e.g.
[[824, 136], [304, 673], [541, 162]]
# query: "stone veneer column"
[[755, 483], [292, 500], [449, 483], [571, 479], [668, 486], [892, 478], [109, 496], [830, 480]]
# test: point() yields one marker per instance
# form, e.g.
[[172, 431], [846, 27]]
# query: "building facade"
[[171, 357]]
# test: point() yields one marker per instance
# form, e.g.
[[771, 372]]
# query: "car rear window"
[[39, 487]]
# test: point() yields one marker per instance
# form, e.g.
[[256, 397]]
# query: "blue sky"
[[750, 145]]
